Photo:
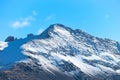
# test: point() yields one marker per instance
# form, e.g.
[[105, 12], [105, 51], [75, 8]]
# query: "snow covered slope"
[[62, 49], [3, 45]]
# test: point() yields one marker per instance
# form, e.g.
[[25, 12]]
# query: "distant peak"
[[57, 25], [53, 27], [61, 26], [62, 29]]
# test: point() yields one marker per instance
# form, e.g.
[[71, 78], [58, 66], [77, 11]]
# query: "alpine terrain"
[[60, 53]]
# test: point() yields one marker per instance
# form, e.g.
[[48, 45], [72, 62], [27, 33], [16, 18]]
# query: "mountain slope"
[[61, 51]]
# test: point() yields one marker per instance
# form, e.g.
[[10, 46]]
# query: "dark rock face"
[[9, 39], [25, 72], [30, 35]]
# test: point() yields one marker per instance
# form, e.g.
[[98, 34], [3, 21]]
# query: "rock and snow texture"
[[86, 53], [60, 48]]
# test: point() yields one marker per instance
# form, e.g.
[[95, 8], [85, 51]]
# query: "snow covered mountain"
[[60, 53]]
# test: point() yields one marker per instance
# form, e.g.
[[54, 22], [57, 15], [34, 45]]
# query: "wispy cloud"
[[19, 24], [24, 22], [49, 18]]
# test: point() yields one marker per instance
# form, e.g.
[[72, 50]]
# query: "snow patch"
[[118, 71], [84, 67], [3, 45], [41, 60]]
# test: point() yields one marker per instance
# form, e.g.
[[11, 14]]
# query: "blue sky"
[[100, 18]]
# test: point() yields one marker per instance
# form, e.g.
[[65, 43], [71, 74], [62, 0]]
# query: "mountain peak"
[[60, 49], [56, 28], [56, 25]]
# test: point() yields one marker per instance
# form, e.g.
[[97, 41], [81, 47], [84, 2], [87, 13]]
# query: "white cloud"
[[18, 24], [23, 22]]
